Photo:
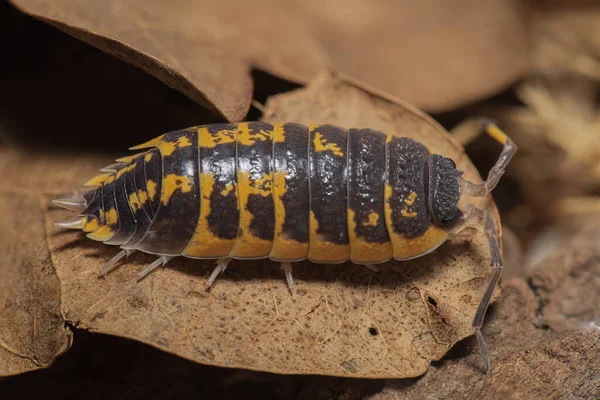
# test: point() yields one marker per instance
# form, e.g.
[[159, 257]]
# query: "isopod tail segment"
[[481, 219]]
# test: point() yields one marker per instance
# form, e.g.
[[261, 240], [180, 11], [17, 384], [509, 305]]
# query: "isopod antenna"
[[481, 219]]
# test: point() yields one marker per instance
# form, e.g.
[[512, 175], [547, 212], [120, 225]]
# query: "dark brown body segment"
[[290, 191], [153, 177], [219, 214], [126, 220], [140, 184], [406, 212], [407, 174], [110, 224], [142, 220], [328, 159], [177, 214], [369, 239], [224, 216], [255, 199], [94, 212]]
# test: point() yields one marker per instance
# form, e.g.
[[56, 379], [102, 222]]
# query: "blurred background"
[[534, 67]]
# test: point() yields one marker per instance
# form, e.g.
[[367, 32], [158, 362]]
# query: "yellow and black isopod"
[[287, 192]]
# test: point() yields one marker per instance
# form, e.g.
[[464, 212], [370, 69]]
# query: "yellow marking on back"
[[167, 148], [284, 248], [148, 157], [247, 245], [363, 252], [228, 188], [120, 173], [142, 196], [322, 144], [103, 234], [112, 217], [134, 202], [98, 180], [151, 186], [373, 218], [409, 202], [109, 180], [248, 138], [92, 224], [150, 143], [278, 133], [324, 251], [173, 182], [420, 245], [405, 248], [404, 212], [208, 140], [204, 244]]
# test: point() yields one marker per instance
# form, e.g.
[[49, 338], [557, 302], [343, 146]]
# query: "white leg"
[[286, 267], [109, 266], [372, 267], [159, 262], [222, 264]]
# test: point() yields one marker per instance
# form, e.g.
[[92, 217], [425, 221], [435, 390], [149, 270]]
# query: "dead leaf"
[[436, 55], [32, 330], [206, 49], [545, 338], [345, 320]]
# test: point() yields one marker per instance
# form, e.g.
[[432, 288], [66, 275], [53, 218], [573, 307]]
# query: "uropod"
[[287, 192]]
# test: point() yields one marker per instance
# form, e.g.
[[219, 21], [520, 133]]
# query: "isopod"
[[287, 192]]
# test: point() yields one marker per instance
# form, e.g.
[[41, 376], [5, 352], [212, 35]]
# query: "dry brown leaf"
[[433, 53], [32, 330], [545, 338], [417, 309]]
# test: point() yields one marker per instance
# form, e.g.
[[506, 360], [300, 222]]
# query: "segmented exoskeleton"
[[287, 192]]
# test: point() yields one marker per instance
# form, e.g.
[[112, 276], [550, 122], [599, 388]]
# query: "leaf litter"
[[533, 361], [206, 49], [345, 320]]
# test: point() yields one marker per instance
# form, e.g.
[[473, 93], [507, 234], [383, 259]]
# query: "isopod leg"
[[222, 264], [110, 265], [286, 267], [481, 218], [372, 267], [508, 151], [159, 262]]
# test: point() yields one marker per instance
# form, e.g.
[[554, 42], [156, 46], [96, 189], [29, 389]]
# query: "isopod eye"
[[453, 163], [448, 220]]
